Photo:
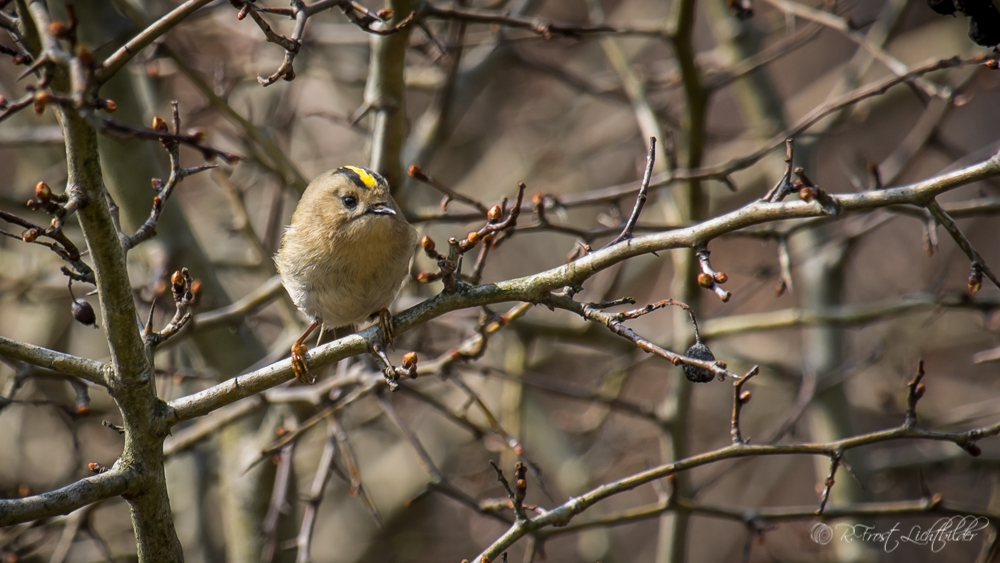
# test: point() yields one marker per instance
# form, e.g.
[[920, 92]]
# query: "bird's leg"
[[385, 324], [299, 356]]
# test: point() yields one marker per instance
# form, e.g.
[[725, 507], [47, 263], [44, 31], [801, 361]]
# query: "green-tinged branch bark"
[[563, 514], [67, 499], [84, 368], [536, 288]]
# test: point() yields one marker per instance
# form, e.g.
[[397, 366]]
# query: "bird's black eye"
[[349, 201]]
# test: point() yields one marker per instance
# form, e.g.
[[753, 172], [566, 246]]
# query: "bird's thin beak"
[[382, 209]]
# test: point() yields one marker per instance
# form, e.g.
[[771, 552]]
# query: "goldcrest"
[[345, 254]]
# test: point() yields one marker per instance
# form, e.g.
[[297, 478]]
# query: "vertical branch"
[[131, 383], [645, 117], [244, 502], [385, 96], [686, 204]]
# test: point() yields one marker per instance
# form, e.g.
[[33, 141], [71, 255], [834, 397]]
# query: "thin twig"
[[640, 199], [740, 399]]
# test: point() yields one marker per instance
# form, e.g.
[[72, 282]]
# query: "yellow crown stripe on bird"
[[366, 177]]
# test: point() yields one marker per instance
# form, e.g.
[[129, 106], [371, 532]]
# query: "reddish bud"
[[85, 55], [156, 183], [537, 199], [417, 173], [197, 134], [427, 243], [425, 277], [83, 410], [289, 76], [243, 13], [96, 467], [281, 431], [494, 214], [30, 235], [975, 280], [992, 64], [23, 490], [807, 194], [196, 287], [721, 277], [3, 102], [472, 237], [745, 397], [159, 124], [705, 280], [410, 360], [42, 99], [973, 449], [58, 29], [385, 14], [84, 313], [232, 159], [110, 106], [43, 192], [919, 391]]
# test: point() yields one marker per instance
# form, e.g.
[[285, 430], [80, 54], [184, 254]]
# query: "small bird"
[[345, 254]]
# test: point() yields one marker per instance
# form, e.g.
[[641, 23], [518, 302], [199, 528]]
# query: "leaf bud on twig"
[[59, 29], [177, 285], [417, 173], [43, 192], [410, 360], [42, 99], [427, 243], [975, 279], [159, 124]]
